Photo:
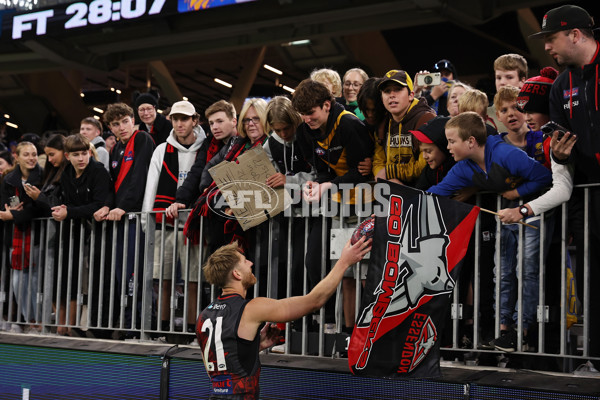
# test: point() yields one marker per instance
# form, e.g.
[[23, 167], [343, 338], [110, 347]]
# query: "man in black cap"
[[575, 104], [156, 124]]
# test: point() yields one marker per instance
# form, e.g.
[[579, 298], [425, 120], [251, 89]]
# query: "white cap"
[[183, 107]]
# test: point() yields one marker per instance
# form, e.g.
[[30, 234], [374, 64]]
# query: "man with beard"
[[232, 331], [568, 37]]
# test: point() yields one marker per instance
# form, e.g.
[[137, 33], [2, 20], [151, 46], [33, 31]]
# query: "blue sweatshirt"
[[534, 147], [507, 168]]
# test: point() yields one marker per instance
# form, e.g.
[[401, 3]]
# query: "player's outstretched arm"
[[262, 309]]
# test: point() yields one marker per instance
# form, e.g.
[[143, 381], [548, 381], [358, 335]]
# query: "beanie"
[[146, 98], [534, 96]]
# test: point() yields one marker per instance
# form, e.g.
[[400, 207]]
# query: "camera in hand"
[[431, 79], [549, 128]]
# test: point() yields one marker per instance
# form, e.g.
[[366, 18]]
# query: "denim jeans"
[[26, 299], [509, 246]]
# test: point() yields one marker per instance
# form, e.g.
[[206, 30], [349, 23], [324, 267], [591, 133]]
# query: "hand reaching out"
[[351, 254], [270, 335]]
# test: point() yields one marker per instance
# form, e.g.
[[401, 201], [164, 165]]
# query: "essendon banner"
[[416, 257]]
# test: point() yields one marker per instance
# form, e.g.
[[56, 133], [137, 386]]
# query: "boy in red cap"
[[434, 148]]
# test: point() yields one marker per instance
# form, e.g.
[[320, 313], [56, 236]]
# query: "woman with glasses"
[[353, 80], [152, 122], [224, 227]]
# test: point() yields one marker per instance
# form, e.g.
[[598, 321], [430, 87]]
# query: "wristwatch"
[[524, 211]]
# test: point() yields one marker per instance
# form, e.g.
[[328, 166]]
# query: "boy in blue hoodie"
[[490, 164]]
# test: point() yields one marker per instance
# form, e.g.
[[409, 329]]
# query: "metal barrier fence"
[[100, 278]]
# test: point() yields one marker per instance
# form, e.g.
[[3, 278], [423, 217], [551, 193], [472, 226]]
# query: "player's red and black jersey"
[[231, 362]]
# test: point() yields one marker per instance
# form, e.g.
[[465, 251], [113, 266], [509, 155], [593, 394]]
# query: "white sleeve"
[[562, 186], [104, 157], [152, 181]]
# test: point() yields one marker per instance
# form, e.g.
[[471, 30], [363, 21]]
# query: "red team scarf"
[[213, 148], [21, 245], [167, 183], [126, 162]]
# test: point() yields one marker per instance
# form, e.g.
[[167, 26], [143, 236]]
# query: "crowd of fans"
[[448, 138]]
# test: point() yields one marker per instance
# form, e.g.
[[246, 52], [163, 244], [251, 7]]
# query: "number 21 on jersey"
[[214, 332]]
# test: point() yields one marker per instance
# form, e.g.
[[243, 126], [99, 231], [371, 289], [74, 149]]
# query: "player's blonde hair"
[[219, 265]]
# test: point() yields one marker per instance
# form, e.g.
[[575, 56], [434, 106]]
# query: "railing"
[[83, 262]]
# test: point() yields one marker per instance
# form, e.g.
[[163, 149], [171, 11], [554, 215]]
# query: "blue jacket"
[[507, 168]]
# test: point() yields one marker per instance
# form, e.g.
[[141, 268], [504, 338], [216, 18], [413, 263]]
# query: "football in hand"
[[365, 228]]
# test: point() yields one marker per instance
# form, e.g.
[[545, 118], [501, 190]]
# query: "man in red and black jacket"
[[129, 162], [568, 37]]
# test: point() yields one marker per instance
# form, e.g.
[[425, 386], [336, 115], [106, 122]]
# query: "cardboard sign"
[[242, 185]]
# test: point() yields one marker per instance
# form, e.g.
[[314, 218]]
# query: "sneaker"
[[132, 335], [586, 369], [32, 329], [160, 339], [16, 328], [279, 349], [489, 343], [508, 342], [76, 332]]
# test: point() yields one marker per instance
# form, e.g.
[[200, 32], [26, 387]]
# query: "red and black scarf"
[[167, 183], [126, 162], [213, 148], [21, 245]]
